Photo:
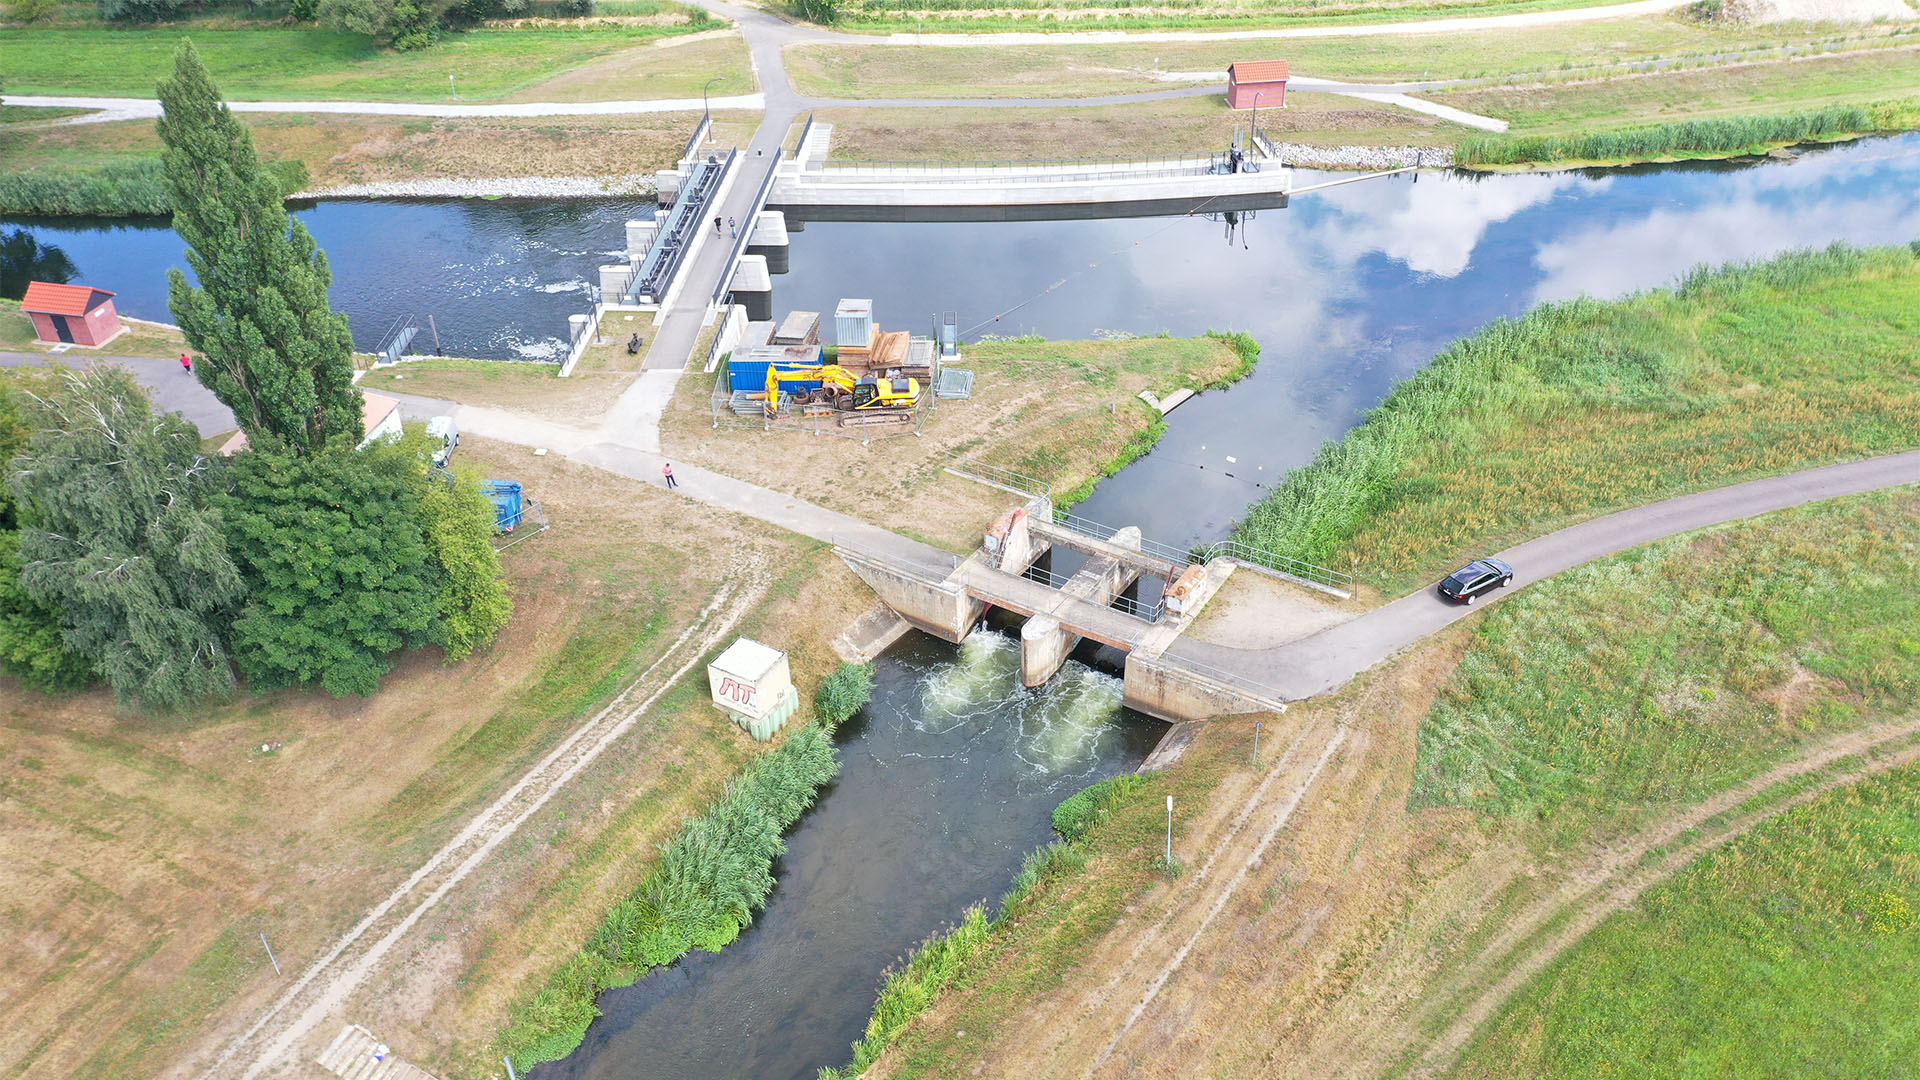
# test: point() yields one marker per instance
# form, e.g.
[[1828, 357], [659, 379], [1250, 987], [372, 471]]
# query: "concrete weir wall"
[[937, 607], [1175, 694], [1044, 642]]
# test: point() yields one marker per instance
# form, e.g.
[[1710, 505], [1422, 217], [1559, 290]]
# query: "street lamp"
[[1256, 119], [706, 113]]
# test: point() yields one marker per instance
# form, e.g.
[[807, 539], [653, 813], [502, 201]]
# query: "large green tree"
[[120, 535], [457, 519], [338, 573], [272, 348], [31, 648]]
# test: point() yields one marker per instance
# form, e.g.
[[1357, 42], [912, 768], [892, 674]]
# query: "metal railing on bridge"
[[1121, 602], [675, 238], [1001, 172], [744, 232], [1337, 582]]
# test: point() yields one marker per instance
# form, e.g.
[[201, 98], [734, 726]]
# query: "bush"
[[143, 10], [29, 11], [1074, 816], [844, 693]]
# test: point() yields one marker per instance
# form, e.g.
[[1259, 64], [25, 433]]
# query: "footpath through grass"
[[1665, 674], [1580, 408], [1790, 952]]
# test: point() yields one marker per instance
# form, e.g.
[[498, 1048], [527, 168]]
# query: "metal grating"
[[954, 382]]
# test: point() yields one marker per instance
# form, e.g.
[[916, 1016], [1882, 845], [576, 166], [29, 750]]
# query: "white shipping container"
[[750, 681], [853, 324]]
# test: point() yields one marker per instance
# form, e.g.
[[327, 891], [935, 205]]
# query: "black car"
[[1466, 584]]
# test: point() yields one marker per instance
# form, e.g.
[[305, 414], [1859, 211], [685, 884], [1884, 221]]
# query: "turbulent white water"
[[1057, 731]]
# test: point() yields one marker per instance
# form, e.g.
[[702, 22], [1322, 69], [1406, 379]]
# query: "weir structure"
[[947, 598]]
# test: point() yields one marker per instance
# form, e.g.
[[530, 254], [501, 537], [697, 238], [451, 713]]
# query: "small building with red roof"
[[71, 314], [1252, 84]]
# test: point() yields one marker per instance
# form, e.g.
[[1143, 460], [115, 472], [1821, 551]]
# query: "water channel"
[[948, 776]]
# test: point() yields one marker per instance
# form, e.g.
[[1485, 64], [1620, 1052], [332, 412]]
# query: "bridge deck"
[[1025, 596]]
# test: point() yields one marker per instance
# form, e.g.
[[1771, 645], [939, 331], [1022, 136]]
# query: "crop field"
[[1578, 408]]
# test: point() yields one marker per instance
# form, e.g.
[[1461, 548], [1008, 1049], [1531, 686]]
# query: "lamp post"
[[1256, 119], [706, 114]]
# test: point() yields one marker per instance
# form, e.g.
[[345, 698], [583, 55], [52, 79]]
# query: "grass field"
[[1618, 689], [1584, 407], [1788, 953], [145, 854], [1068, 15], [1163, 128], [1085, 70], [1797, 86], [254, 62]]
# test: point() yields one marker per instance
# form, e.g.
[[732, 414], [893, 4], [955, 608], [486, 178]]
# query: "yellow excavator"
[[841, 389]]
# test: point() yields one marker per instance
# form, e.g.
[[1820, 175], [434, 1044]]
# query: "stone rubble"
[[511, 187], [1362, 157]]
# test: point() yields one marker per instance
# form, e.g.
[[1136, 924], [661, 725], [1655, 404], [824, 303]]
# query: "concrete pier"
[[753, 286], [640, 235], [615, 278], [1044, 642], [769, 238], [941, 607]]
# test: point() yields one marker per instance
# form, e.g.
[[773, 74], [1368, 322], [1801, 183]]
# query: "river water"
[[948, 776]]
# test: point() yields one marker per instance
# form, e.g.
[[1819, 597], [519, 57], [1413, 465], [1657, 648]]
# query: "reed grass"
[[1586, 406], [135, 188], [1685, 138]]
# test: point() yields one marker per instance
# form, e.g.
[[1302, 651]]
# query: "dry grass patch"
[[1056, 411], [143, 854]]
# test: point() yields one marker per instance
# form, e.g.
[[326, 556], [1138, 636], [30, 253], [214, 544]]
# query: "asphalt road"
[[1332, 658], [173, 390]]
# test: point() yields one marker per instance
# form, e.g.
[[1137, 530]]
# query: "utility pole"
[[1256, 742], [276, 963], [1169, 832]]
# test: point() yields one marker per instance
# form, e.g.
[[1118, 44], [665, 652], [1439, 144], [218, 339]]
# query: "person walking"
[[716, 224], [186, 363], [666, 470], [732, 228]]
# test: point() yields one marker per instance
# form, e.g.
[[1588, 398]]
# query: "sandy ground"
[[1255, 611]]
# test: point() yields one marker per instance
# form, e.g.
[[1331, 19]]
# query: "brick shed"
[[1255, 84], [76, 314]]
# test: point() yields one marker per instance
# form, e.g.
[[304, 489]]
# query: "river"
[[950, 773]]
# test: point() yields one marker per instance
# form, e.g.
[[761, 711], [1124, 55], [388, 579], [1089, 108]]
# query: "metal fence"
[[674, 239], [1010, 172], [1122, 603], [1337, 582], [735, 410]]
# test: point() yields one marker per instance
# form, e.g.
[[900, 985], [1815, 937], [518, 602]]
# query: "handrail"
[[699, 133], [673, 241], [1337, 582], [1126, 605]]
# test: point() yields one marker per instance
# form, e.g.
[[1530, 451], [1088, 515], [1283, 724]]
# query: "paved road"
[[173, 389], [1330, 659]]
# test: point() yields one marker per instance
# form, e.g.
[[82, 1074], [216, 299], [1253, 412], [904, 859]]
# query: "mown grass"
[[256, 63], [166, 1014], [710, 880], [1659, 676], [1790, 952], [954, 16], [1578, 408]]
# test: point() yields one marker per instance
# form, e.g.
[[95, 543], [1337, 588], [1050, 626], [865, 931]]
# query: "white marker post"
[[1169, 832]]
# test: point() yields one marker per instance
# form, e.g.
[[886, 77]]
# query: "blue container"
[[507, 507]]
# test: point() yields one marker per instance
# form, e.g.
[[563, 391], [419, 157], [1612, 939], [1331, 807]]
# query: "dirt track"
[[275, 1037]]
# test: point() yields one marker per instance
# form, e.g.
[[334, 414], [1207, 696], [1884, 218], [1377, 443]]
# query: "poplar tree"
[[272, 349]]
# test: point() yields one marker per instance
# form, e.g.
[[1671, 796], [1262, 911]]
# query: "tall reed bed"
[[135, 188], [710, 881], [1715, 135], [942, 958], [1587, 405]]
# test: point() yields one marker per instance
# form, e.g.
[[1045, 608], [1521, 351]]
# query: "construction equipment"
[[836, 387]]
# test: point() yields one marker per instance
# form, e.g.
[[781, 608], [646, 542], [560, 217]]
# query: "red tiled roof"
[[1252, 71], [45, 296]]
